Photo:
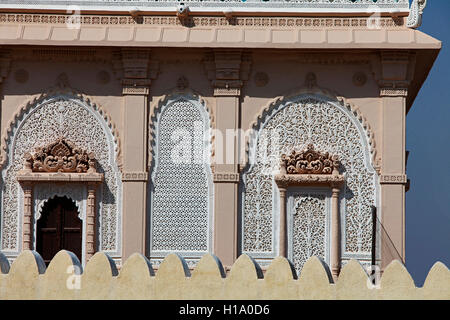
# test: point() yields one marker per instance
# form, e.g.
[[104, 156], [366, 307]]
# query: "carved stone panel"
[[60, 156], [308, 225], [41, 124], [181, 189], [309, 161], [295, 123]]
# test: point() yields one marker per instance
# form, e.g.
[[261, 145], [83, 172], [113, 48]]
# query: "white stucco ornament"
[[415, 16]]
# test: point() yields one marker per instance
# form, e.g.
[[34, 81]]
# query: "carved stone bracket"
[[228, 70]]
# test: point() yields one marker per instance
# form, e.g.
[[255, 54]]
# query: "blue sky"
[[428, 139]]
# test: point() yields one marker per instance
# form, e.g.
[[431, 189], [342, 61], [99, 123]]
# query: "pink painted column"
[[27, 215], [335, 258], [90, 222], [283, 237]]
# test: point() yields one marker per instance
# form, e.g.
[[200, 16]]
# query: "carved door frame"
[[63, 166], [310, 168]]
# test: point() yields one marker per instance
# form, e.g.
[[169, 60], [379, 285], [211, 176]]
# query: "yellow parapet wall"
[[27, 278]]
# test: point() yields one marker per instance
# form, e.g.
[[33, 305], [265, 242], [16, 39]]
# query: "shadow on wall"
[[27, 278]]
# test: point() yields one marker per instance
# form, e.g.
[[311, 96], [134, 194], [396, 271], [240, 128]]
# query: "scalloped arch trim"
[[186, 94], [267, 109], [41, 205], [54, 91]]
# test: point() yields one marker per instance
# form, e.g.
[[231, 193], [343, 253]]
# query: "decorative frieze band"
[[285, 180], [135, 176], [393, 179], [227, 92], [284, 22], [390, 92], [226, 177], [130, 90]]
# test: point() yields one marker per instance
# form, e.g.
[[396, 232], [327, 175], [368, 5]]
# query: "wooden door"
[[58, 228]]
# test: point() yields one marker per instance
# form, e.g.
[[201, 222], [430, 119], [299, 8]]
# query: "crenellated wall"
[[27, 278]]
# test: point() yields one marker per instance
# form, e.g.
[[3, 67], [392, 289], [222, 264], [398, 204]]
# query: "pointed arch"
[[189, 95], [49, 93], [183, 185], [61, 111], [267, 110], [332, 124]]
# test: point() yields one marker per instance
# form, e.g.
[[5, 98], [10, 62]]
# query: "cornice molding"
[[291, 180], [26, 177], [305, 22]]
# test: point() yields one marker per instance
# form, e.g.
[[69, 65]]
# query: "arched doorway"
[[59, 228]]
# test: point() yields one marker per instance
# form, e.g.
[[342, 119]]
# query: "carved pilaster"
[[283, 233], [137, 70], [227, 70], [90, 221], [335, 233], [27, 215]]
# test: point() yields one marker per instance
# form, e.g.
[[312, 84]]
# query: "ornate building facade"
[[260, 127]]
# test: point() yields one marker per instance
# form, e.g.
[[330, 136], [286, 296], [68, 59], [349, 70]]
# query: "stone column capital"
[[228, 69], [393, 70], [135, 69]]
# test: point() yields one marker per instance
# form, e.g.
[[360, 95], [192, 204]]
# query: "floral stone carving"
[[309, 161], [60, 156]]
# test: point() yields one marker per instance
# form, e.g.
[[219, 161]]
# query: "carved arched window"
[[181, 190], [83, 123], [331, 127]]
